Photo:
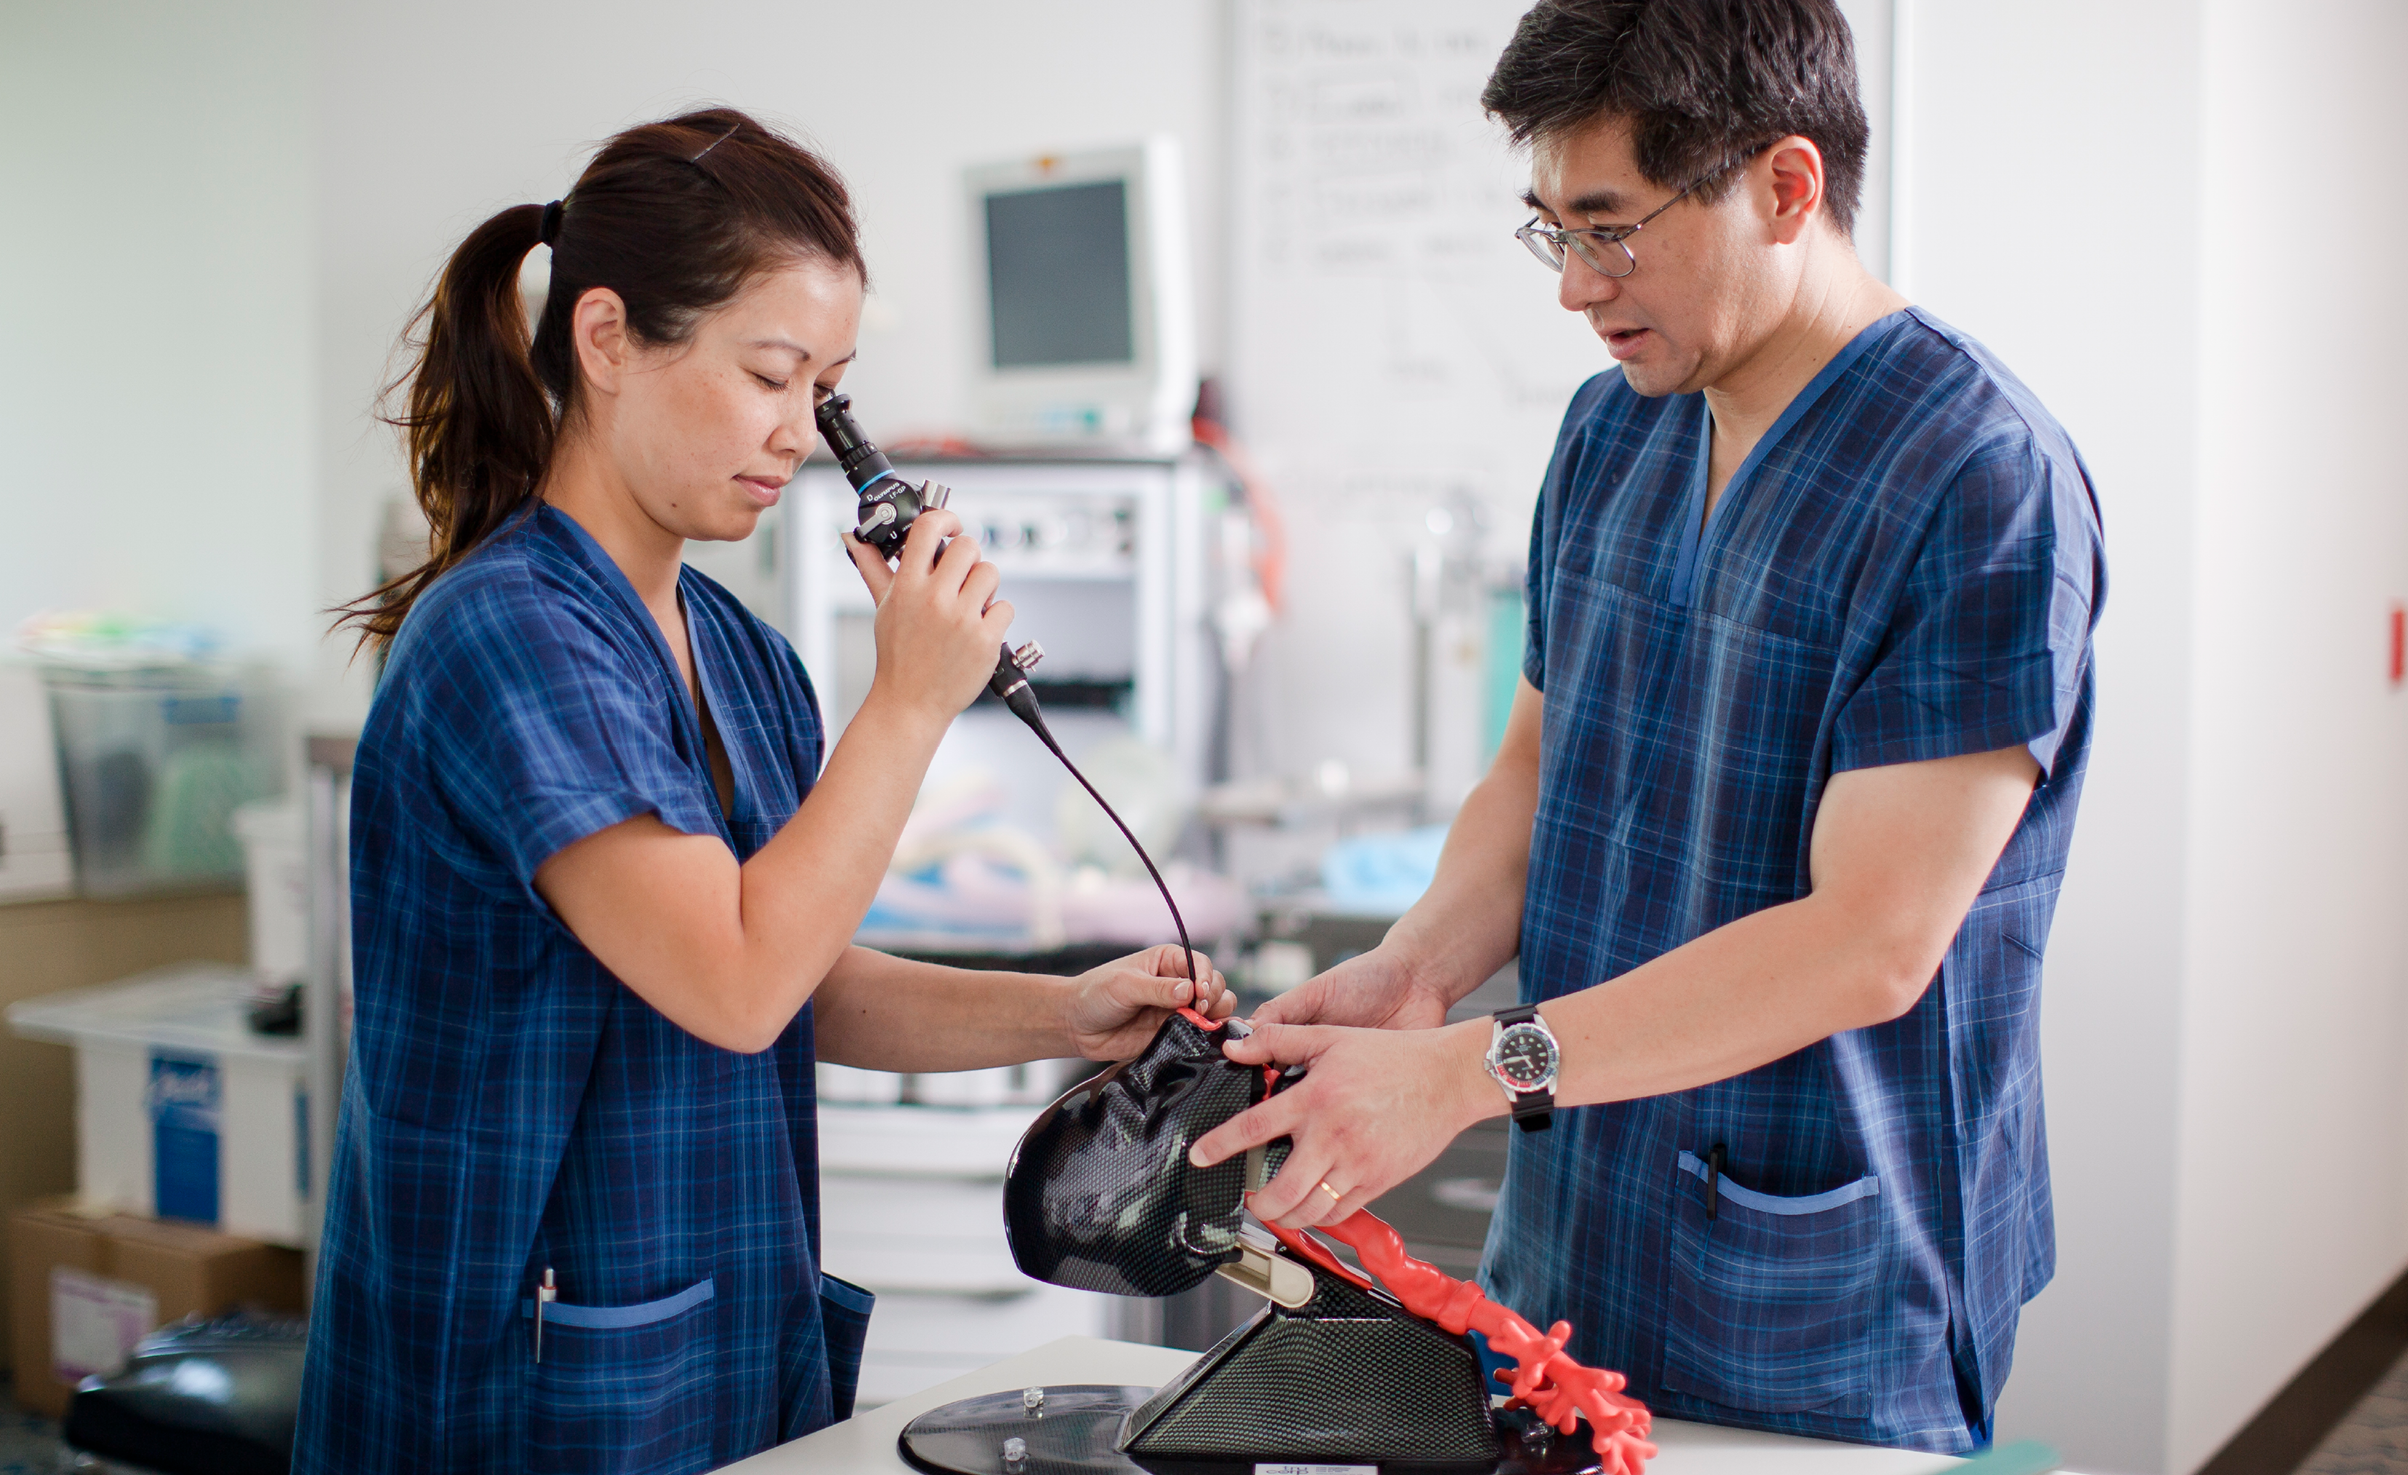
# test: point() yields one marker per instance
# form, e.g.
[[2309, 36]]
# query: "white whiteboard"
[[1391, 342]]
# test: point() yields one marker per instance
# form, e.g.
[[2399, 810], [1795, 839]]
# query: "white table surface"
[[866, 1445]]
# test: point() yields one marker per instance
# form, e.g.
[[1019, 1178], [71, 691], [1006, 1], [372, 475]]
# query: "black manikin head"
[[1100, 1195]]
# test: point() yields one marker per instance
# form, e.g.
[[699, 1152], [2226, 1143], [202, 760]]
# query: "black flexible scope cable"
[[1036, 724]]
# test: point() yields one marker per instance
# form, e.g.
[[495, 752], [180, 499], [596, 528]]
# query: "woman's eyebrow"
[[801, 354], [788, 344]]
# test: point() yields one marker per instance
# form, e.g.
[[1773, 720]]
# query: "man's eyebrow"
[[1595, 202], [1599, 202]]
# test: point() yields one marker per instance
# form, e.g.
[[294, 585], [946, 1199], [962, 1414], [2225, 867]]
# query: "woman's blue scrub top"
[[512, 1107], [1907, 567]]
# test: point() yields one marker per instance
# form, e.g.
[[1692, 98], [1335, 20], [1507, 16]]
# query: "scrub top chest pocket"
[[623, 1387], [1771, 1298]]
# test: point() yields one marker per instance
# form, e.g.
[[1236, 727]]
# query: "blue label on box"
[[185, 1095]]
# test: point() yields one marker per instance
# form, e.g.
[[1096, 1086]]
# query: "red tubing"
[[1558, 1389]]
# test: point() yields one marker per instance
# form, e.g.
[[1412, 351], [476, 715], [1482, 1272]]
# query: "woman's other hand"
[[1114, 1010], [939, 627]]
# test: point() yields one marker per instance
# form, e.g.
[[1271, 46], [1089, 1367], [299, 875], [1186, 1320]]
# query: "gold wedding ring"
[[1335, 1197]]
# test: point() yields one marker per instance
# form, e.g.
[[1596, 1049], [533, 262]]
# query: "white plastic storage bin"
[[182, 1110]]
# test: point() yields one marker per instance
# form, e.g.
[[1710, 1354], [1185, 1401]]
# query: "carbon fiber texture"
[[1099, 1195], [1348, 1378]]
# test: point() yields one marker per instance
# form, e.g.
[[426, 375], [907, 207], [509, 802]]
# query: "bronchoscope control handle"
[[887, 507]]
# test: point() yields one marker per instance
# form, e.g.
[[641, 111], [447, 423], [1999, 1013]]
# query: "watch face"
[[1525, 1057]]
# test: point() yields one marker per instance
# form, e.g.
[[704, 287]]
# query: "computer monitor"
[[1086, 309]]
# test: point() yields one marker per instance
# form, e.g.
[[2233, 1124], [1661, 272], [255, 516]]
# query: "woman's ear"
[[598, 332]]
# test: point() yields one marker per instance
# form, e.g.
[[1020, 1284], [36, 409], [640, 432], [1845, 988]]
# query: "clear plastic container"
[[155, 762]]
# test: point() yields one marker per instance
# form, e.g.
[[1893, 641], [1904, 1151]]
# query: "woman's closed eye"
[[776, 384]]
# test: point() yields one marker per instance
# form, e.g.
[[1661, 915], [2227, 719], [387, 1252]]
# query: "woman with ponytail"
[[603, 889]]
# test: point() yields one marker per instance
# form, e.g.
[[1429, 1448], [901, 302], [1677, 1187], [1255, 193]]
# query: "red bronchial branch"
[[1547, 1381]]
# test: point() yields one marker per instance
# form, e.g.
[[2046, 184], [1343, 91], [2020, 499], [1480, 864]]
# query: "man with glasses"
[[1777, 826]]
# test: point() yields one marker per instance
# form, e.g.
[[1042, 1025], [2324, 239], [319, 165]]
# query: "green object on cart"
[[189, 831], [2024, 1457]]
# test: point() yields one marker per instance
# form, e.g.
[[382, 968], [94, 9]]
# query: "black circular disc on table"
[[1081, 1421], [1072, 1436]]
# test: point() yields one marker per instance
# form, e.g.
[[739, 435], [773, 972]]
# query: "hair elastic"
[[549, 230]]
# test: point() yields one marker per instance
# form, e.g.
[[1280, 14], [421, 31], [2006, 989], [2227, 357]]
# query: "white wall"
[[2293, 1191], [2050, 211], [432, 116], [155, 397], [2163, 215]]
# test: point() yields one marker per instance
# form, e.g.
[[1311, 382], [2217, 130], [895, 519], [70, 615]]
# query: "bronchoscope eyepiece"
[[889, 504], [863, 462]]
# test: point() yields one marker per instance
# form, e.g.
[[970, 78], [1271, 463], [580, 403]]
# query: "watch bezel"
[[1514, 1081]]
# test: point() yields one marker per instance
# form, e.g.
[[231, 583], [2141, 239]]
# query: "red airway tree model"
[[1547, 1381]]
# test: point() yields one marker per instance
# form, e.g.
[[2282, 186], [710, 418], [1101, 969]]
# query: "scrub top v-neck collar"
[[689, 714], [1697, 518]]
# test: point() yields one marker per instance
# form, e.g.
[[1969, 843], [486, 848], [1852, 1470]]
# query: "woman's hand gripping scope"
[[938, 623]]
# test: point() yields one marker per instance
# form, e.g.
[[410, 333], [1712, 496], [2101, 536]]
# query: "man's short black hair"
[[1700, 82]]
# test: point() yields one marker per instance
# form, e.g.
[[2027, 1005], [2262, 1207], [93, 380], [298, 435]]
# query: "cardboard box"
[[108, 1274]]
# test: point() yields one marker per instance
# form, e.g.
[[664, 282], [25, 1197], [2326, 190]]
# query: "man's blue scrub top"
[[1908, 567], [511, 1106]]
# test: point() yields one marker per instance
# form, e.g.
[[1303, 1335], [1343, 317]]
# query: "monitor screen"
[[1058, 275]]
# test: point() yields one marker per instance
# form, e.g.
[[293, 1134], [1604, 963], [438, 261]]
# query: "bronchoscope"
[[889, 504]]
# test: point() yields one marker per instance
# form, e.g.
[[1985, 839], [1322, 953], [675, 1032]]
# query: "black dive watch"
[[1523, 1056]]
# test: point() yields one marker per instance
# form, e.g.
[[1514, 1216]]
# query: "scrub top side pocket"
[[844, 1318], [1770, 1303], [624, 1387]]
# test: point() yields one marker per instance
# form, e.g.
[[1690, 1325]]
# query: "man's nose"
[[1581, 286]]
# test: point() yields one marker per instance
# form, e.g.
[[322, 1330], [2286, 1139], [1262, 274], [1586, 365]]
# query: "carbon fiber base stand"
[[1348, 1379]]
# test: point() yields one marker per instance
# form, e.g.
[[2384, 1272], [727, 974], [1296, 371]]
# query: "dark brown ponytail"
[[675, 217]]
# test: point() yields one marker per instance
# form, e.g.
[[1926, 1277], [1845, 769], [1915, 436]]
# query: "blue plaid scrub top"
[[511, 1106], [1907, 567]]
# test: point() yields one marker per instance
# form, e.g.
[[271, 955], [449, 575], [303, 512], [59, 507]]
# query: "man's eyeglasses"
[[1605, 249]]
